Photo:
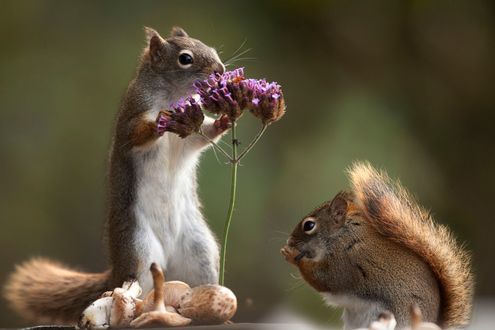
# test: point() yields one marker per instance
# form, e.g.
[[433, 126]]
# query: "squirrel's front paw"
[[222, 124], [162, 121], [289, 254]]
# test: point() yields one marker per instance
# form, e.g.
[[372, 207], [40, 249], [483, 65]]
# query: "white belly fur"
[[166, 204], [358, 313]]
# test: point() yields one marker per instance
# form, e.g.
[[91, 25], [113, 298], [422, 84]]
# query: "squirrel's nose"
[[219, 67]]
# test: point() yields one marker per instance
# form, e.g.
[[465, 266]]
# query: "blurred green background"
[[408, 85]]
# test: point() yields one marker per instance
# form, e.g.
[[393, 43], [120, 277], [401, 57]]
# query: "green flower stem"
[[253, 142], [233, 185], [216, 146], [234, 161]]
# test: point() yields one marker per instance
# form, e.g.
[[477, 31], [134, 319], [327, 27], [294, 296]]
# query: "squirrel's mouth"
[[293, 255]]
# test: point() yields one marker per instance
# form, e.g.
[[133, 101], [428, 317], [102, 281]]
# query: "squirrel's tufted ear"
[[150, 33], [338, 208], [156, 44], [178, 32]]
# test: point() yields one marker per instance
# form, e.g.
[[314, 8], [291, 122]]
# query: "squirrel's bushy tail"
[[44, 291], [396, 215]]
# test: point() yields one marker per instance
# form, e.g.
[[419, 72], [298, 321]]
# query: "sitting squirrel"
[[374, 249], [153, 209]]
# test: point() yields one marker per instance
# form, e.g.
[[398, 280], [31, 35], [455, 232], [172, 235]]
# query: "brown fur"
[[157, 74], [347, 257], [45, 291], [394, 213], [375, 245], [143, 132]]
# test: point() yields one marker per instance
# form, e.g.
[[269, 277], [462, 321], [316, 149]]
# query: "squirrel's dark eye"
[[309, 226], [185, 59]]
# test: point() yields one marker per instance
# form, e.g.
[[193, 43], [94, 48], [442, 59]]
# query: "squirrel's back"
[[396, 215]]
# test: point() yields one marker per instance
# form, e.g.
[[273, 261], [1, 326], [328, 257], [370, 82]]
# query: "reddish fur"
[[308, 269], [143, 131], [396, 215], [43, 291]]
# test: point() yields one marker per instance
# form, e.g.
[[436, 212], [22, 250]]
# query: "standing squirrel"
[[153, 208], [374, 249]]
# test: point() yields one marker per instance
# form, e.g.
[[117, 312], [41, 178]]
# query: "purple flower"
[[267, 102], [230, 93], [184, 118], [223, 93]]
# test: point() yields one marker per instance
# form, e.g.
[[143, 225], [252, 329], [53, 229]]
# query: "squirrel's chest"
[[165, 199]]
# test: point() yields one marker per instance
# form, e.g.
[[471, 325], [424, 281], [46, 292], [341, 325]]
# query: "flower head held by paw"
[[184, 119], [230, 93], [223, 93]]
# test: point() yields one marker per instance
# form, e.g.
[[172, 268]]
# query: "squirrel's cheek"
[[307, 268]]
